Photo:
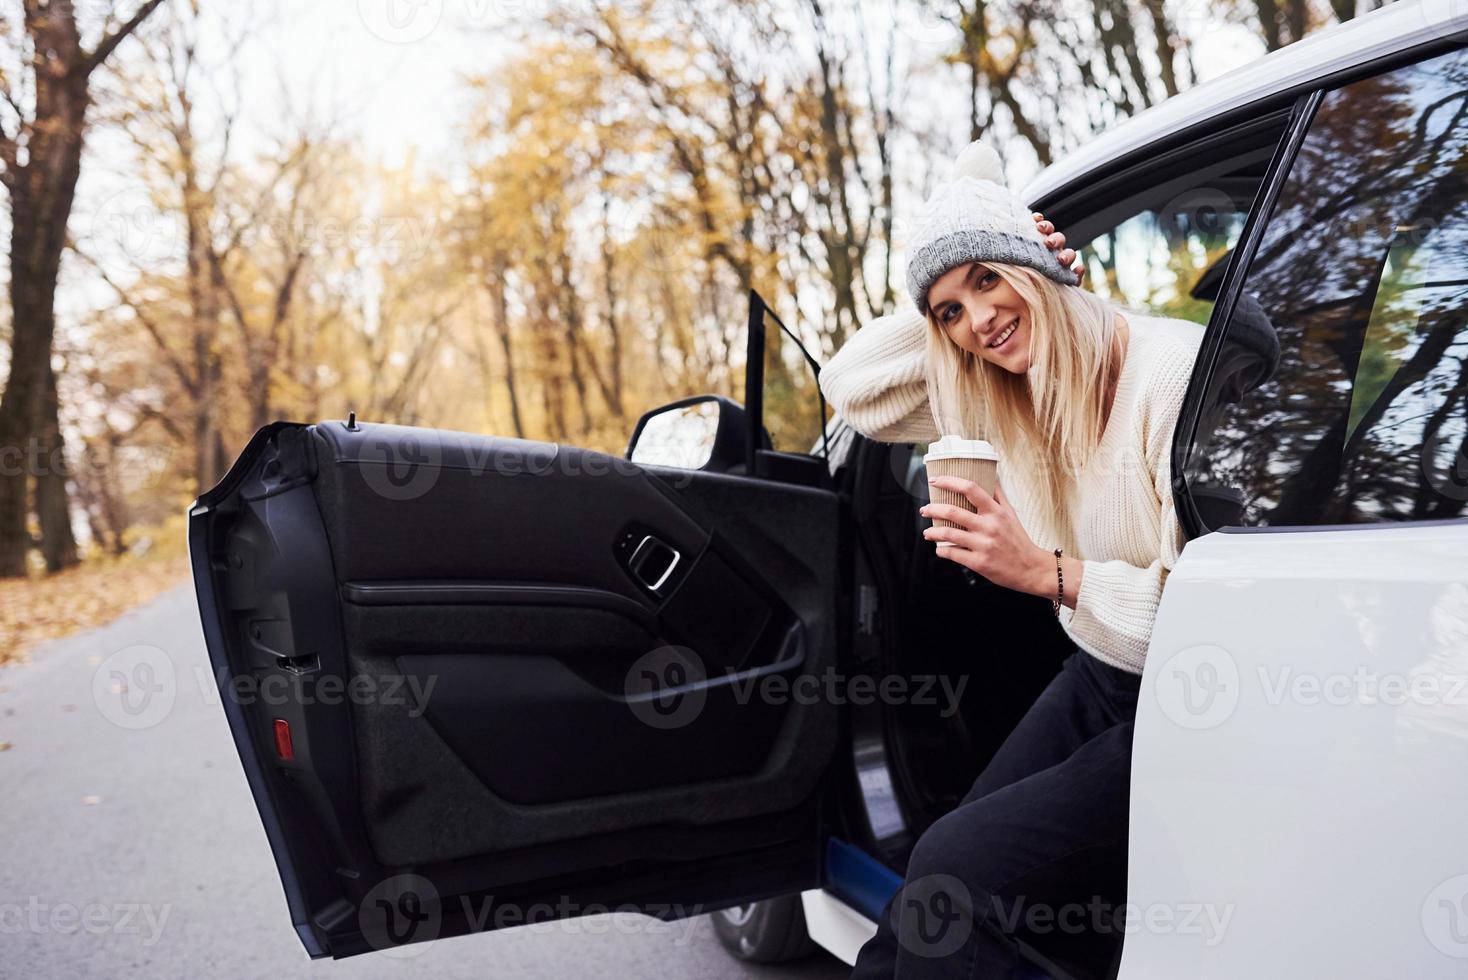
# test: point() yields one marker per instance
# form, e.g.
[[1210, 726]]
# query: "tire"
[[772, 931]]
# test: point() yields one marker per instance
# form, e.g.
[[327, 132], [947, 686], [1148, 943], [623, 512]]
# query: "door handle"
[[652, 562]]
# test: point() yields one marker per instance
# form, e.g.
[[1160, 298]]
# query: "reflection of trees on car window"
[[1363, 272], [1154, 259]]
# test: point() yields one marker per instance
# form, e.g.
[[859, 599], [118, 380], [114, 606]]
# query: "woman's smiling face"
[[981, 312]]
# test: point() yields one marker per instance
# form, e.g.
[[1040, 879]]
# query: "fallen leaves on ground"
[[92, 594]]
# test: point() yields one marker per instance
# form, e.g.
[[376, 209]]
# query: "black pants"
[[1036, 851]]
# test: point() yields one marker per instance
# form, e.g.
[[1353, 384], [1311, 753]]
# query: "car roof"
[[1381, 33]]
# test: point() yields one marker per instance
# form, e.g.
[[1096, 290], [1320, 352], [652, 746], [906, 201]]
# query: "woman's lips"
[[1007, 340]]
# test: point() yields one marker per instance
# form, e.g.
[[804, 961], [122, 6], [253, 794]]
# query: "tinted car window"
[[1156, 258], [1341, 391], [1161, 240]]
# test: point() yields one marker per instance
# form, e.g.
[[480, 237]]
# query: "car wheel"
[[772, 931]]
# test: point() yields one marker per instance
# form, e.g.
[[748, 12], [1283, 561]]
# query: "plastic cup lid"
[[952, 446]]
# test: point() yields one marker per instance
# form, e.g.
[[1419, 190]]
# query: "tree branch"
[[150, 326], [109, 42]]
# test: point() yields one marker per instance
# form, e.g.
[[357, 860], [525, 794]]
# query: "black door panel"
[[479, 594], [404, 504], [505, 717]]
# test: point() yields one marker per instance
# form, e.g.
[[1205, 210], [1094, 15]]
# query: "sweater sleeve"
[[877, 381], [1117, 602]]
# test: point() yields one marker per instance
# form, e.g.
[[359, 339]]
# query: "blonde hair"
[[1050, 419]]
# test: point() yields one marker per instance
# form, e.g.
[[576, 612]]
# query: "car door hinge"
[[866, 610]]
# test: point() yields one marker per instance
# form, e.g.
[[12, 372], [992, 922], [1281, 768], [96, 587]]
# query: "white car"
[[529, 681]]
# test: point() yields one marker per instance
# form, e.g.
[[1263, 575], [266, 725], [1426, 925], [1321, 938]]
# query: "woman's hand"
[[991, 542], [1055, 241]]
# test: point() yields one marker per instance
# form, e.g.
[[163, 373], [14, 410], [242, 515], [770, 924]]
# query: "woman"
[[1080, 398]]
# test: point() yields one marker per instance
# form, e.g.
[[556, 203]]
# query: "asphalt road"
[[136, 851]]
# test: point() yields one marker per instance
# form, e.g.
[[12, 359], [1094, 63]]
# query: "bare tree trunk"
[[613, 391], [546, 347], [33, 266], [91, 501], [1111, 26], [1298, 14], [1268, 11], [106, 512], [260, 362], [886, 118], [204, 307], [53, 509], [502, 330], [479, 337], [41, 191], [570, 309], [973, 44], [264, 353], [1126, 33], [204, 302], [1166, 50], [41, 195], [553, 393], [840, 233]]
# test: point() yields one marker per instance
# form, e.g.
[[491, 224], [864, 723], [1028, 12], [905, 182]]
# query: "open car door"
[[479, 681]]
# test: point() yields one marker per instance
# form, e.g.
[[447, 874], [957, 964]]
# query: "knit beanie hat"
[[973, 217]]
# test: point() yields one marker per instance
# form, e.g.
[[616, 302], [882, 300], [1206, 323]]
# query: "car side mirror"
[[705, 432]]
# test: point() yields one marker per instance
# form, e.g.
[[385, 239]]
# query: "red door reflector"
[[283, 746]]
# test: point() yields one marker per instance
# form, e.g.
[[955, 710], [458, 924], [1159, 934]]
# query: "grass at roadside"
[[92, 594]]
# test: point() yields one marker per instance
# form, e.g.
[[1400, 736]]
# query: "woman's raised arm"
[[877, 380]]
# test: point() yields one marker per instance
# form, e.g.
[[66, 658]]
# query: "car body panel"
[[835, 926], [1298, 759]]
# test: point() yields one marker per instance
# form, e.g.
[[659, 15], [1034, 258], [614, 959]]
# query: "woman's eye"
[[988, 279], [949, 312]]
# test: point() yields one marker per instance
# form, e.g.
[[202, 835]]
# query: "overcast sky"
[[393, 65]]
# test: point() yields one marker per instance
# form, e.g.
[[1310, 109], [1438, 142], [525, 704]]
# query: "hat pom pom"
[[980, 162]]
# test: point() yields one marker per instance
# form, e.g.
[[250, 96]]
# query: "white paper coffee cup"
[[970, 459]]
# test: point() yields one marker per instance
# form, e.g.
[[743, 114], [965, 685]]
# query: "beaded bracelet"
[[1059, 585]]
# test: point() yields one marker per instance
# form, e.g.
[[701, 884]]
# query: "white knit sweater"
[[1124, 527]]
